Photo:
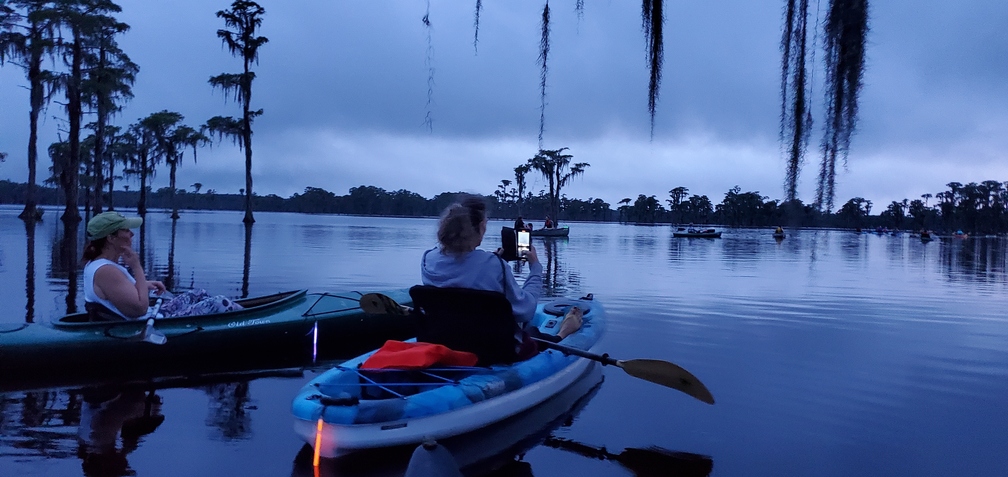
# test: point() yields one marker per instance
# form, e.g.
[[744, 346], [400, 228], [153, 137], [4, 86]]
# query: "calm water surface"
[[829, 353]]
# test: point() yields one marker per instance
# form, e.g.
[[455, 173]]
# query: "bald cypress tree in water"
[[845, 32], [652, 19], [244, 18], [796, 117]]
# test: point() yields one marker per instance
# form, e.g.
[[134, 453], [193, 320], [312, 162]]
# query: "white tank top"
[[89, 293]]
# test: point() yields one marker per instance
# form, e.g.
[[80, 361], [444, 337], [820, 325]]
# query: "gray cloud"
[[344, 88]]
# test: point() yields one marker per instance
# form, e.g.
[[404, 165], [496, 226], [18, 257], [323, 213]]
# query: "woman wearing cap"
[[125, 290], [122, 289]]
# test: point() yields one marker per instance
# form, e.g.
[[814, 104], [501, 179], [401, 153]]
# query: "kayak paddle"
[[657, 371], [149, 333]]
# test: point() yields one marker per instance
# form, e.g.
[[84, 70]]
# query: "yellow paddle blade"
[[667, 374]]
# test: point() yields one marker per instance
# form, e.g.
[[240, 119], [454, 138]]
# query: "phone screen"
[[523, 242]]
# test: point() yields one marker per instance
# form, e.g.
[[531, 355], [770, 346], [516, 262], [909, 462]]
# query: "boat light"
[[318, 445], [314, 355]]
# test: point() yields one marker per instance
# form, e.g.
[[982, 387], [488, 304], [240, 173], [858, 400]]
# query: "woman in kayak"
[[124, 289], [457, 262]]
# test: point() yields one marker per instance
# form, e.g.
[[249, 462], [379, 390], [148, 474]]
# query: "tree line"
[[972, 207]]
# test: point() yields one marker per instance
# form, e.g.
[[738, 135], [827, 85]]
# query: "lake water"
[[830, 353]]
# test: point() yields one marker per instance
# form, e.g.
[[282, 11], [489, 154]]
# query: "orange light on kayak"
[[318, 445]]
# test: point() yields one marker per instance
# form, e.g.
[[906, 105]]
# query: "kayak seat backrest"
[[464, 319], [98, 312]]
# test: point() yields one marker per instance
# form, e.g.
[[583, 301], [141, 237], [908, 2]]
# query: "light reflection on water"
[[829, 353]]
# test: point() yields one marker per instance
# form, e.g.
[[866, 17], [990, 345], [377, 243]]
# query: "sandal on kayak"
[[379, 304]]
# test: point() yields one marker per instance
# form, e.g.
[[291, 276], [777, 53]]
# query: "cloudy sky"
[[344, 86]]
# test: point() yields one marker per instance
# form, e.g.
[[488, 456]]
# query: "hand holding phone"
[[524, 240]]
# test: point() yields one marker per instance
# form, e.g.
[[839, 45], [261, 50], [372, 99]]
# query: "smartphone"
[[524, 238]]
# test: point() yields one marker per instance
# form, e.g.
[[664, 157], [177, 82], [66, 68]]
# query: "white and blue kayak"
[[347, 409]]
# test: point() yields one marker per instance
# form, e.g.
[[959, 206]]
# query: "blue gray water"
[[829, 353]]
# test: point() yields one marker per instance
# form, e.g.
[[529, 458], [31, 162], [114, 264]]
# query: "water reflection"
[[111, 425], [647, 462], [30, 271], [558, 280], [228, 410], [39, 423], [103, 425], [974, 259], [248, 260], [169, 280]]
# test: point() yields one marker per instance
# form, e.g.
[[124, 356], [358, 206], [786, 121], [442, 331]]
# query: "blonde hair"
[[459, 228]]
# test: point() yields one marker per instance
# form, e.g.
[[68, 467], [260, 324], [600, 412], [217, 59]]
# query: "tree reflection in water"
[[105, 417], [228, 410], [30, 270]]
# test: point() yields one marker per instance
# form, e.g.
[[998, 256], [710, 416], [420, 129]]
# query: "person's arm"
[[129, 298], [524, 299]]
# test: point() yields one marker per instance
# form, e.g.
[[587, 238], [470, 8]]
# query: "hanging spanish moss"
[[429, 62], [796, 116], [652, 20], [579, 10], [543, 53], [479, 6], [845, 32]]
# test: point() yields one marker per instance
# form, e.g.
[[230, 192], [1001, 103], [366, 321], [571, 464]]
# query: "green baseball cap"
[[108, 223]]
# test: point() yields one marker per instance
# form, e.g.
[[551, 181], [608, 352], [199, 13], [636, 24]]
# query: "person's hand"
[[130, 258], [530, 255], [156, 286], [499, 252]]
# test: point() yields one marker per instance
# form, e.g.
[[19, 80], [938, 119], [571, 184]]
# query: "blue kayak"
[[347, 409]]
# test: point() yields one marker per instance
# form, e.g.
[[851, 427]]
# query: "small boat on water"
[[551, 232], [288, 328], [348, 409], [696, 233]]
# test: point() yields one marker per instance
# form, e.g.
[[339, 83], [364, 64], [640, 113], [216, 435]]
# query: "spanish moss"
[[845, 32], [795, 118], [652, 20], [579, 10], [429, 62], [543, 53], [479, 6]]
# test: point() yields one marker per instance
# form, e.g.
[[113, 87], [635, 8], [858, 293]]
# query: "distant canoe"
[[558, 232], [779, 236], [708, 233]]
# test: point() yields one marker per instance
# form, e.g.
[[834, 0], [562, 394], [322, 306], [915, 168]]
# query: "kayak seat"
[[463, 319], [100, 313]]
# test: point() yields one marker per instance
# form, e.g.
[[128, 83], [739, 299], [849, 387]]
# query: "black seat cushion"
[[464, 319], [98, 312]]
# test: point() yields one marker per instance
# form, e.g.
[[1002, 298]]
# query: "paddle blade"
[[669, 375], [151, 335]]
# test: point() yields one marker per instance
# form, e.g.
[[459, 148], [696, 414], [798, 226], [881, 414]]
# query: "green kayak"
[[283, 330]]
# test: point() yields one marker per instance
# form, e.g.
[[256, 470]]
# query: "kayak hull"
[[284, 330], [696, 234], [557, 232], [488, 396]]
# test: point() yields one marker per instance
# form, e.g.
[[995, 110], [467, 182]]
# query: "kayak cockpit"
[[249, 305]]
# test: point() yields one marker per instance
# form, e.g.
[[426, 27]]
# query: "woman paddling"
[[124, 288]]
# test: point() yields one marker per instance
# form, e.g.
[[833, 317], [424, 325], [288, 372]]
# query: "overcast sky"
[[344, 86]]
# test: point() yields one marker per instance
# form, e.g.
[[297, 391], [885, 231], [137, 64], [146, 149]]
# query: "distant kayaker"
[[123, 288], [779, 230], [457, 262], [519, 224], [549, 223]]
